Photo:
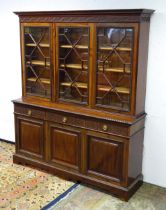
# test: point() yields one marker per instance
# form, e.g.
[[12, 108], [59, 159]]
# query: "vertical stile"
[[92, 77]]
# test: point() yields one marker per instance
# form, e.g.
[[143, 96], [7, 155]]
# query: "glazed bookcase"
[[81, 114]]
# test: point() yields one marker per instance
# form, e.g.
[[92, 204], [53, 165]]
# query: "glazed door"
[[115, 66], [36, 59], [73, 62]]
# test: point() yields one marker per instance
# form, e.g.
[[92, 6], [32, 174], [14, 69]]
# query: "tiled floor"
[[148, 197]]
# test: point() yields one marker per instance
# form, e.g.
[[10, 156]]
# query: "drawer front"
[[107, 127], [29, 112], [88, 123], [65, 119]]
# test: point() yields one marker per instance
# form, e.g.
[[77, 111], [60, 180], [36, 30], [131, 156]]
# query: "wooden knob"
[[29, 112], [64, 120], [105, 127]]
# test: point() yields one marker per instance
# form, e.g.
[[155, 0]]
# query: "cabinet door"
[[29, 137], [73, 63], [64, 146], [115, 69], [105, 158], [36, 39]]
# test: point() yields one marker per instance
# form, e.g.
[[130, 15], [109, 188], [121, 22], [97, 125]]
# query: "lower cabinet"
[[88, 154], [105, 157], [30, 137], [64, 146], [64, 143]]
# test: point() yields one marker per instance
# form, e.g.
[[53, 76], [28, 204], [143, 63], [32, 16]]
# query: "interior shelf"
[[43, 80], [100, 48], [117, 48], [38, 63], [40, 44], [118, 89], [79, 66], [78, 84], [74, 66], [76, 46], [83, 35], [117, 70], [100, 87]]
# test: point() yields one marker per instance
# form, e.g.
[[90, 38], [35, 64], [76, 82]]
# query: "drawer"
[[28, 111], [65, 118], [107, 127]]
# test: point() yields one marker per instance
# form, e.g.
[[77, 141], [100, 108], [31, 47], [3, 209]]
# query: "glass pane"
[[37, 61], [114, 66], [73, 64]]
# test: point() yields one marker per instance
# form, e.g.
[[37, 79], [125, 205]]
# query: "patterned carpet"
[[148, 197], [25, 188]]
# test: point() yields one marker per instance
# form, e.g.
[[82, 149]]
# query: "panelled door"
[[64, 146], [30, 137], [105, 157]]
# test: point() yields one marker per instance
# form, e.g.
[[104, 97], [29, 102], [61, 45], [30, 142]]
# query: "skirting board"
[[7, 141]]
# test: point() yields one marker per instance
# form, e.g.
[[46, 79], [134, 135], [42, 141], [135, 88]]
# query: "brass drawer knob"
[[64, 120], [29, 112], [105, 127]]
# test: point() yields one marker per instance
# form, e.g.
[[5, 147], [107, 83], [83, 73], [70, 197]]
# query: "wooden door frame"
[[22, 49]]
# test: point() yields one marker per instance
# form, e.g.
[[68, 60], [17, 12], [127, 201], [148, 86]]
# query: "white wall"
[[154, 162]]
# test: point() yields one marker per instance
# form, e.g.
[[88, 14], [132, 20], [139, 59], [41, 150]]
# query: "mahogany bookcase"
[[81, 115]]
